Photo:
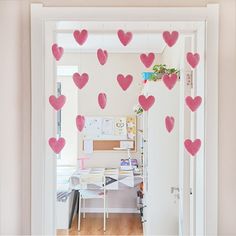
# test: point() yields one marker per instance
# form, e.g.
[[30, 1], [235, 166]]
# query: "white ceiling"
[[104, 35], [140, 43]]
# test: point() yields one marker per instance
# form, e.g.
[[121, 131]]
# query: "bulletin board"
[[108, 133]]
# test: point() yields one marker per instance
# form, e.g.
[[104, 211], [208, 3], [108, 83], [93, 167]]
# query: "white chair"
[[98, 191]]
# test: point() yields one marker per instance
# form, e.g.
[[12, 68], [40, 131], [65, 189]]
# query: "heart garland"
[[57, 51], [80, 36], [80, 122], [57, 144], [192, 146], [124, 81], [57, 103], [80, 80], [170, 38], [169, 80], [146, 102], [193, 59], [102, 56], [102, 100], [147, 59], [193, 103], [170, 122], [124, 38]]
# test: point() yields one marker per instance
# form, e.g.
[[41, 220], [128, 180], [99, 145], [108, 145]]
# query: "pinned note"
[[126, 144], [88, 146]]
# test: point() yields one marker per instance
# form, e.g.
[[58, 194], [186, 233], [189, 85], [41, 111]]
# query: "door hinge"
[[189, 79]]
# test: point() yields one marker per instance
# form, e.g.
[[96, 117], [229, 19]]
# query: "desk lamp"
[[82, 160]]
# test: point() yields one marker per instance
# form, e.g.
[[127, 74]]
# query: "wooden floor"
[[117, 224]]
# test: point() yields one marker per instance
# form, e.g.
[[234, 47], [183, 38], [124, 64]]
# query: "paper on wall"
[[127, 144], [120, 126], [88, 146], [131, 127], [93, 128], [108, 126]]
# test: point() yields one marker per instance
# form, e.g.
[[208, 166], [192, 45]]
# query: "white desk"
[[116, 179]]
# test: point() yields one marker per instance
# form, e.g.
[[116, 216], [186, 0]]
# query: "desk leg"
[[78, 206], [73, 207]]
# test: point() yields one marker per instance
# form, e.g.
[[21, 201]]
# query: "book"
[[125, 162]]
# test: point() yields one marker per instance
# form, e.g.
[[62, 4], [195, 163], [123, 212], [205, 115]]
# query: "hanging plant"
[[160, 70], [138, 109]]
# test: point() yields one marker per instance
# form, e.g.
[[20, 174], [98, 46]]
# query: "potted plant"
[[158, 71]]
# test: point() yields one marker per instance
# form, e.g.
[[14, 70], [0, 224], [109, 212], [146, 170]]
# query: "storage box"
[[63, 212], [65, 197]]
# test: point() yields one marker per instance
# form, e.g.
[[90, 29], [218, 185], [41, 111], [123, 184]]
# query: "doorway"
[[48, 222]]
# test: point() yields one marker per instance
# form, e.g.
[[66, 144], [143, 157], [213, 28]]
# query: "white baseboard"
[[111, 210]]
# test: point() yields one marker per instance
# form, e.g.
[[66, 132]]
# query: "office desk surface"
[[115, 178]]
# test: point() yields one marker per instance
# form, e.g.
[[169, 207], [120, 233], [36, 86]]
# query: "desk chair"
[[91, 186]]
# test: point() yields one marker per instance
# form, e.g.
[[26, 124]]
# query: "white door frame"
[[42, 212]]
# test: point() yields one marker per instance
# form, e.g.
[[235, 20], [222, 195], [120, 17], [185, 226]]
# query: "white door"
[[172, 172], [163, 162]]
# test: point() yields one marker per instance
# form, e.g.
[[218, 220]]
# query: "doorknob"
[[173, 189]]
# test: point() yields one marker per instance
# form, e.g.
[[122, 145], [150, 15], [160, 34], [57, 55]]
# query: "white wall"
[[103, 79], [227, 110], [15, 77], [177, 50], [11, 119]]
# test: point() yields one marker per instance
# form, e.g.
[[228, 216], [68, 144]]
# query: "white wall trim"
[[211, 121], [39, 168], [37, 123]]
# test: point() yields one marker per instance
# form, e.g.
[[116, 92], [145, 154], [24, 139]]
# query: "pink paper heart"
[[146, 102], [124, 81], [192, 146], [193, 103], [193, 59], [170, 38], [169, 80], [80, 80], [57, 145], [57, 51], [80, 122], [124, 38], [102, 56], [80, 36], [102, 100], [57, 103], [170, 121], [147, 60]]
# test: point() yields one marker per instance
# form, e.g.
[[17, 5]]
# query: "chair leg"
[[79, 212], [104, 213], [84, 208], [107, 206]]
